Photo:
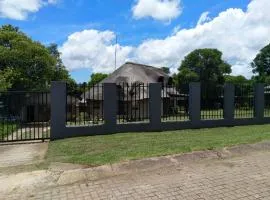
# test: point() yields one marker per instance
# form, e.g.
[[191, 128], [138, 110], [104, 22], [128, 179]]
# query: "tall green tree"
[[97, 78], [31, 60], [203, 65], [33, 65], [261, 65]]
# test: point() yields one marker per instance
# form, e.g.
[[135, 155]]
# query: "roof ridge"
[[141, 64], [147, 66]]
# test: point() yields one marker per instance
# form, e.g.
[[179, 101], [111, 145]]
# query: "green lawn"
[[99, 150]]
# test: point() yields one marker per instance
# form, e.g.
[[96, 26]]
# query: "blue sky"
[[55, 20]]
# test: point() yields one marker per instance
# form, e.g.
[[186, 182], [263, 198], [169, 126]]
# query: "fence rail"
[[24, 116], [85, 109], [212, 100], [175, 103], [165, 108], [267, 100], [244, 101], [133, 103]]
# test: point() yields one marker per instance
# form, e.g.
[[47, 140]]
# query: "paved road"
[[242, 177]]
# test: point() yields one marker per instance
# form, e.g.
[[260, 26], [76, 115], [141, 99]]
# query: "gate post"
[[228, 108], [110, 106], [195, 102], [155, 106], [259, 101], [58, 109]]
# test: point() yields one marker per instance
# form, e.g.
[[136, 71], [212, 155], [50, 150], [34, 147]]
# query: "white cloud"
[[238, 34], [203, 18], [162, 10], [19, 9], [93, 49], [176, 29]]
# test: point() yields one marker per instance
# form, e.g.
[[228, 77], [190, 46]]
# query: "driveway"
[[233, 173], [22, 154]]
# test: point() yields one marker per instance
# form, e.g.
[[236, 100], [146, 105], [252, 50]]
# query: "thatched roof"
[[133, 78], [133, 72]]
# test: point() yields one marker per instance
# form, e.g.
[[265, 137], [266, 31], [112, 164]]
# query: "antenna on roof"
[[115, 55]]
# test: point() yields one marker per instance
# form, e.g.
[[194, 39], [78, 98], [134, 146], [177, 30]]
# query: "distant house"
[[29, 106], [133, 95]]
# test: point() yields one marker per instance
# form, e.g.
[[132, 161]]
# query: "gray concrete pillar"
[[195, 102], [58, 109], [259, 101], [228, 108], [155, 106], [110, 105]]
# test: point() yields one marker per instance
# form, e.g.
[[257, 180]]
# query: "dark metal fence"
[[133, 103], [86, 108], [212, 101], [175, 103], [126, 106], [24, 116], [267, 101], [244, 101]]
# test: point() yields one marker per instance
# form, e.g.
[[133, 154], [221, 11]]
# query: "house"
[[132, 81], [30, 106]]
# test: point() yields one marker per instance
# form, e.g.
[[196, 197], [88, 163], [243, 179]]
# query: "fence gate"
[[24, 116]]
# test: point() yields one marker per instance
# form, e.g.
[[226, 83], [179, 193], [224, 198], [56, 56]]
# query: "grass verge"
[[99, 150]]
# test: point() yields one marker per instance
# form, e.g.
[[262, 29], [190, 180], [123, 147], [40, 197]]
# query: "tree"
[[236, 79], [166, 70], [60, 72], [97, 78], [261, 65], [204, 65], [7, 77], [35, 65], [31, 60]]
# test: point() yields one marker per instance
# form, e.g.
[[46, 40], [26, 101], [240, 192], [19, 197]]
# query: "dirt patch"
[[22, 154]]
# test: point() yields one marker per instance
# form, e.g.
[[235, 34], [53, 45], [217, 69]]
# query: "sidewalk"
[[244, 174]]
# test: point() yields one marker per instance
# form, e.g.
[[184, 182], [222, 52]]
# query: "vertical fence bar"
[[98, 101], [47, 129], [58, 110], [139, 102], [143, 103], [195, 102], [259, 101], [155, 106], [93, 101], [228, 108], [84, 103], [44, 113], [110, 106], [38, 111], [22, 116]]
